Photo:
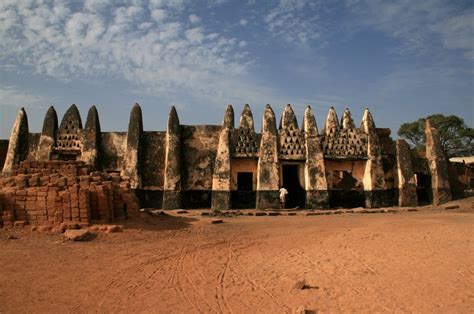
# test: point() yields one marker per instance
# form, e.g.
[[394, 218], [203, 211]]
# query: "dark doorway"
[[244, 181], [423, 188], [245, 196], [66, 156], [296, 193]]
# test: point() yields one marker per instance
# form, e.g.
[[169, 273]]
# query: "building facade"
[[233, 166]]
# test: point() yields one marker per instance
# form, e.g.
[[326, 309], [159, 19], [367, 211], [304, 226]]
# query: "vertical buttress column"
[[172, 182], [438, 166], [47, 140], [268, 170], [405, 178], [18, 144], [221, 176], [374, 182], [317, 196], [131, 166], [92, 139]]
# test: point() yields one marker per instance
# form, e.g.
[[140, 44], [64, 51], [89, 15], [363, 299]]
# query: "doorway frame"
[[300, 164]]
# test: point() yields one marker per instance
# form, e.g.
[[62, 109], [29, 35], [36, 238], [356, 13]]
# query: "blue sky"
[[403, 59]]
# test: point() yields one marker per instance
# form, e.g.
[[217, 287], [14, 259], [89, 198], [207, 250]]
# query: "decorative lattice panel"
[[69, 137], [245, 143], [349, 143], [292, 144]]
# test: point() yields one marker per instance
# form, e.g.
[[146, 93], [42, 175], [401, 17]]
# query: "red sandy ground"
[[404, 262]]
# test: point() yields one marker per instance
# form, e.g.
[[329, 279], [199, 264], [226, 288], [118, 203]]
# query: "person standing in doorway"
[[283, 196]]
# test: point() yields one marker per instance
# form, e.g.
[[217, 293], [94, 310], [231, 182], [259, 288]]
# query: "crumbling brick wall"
[[53, 192]]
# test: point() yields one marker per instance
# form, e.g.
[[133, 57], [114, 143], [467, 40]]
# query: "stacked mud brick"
[[53, 192]]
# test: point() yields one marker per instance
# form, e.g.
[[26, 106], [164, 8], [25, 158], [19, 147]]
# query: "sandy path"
[[410, 262]]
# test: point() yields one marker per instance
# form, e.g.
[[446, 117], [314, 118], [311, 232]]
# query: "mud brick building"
[[73, 173]]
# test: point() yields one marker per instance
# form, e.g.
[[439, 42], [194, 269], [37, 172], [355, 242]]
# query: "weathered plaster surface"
[[438, 166], [315, 173], [18, 144], [91, 139], [374, 177], [243, 165], [131, 164], [268, 168], [199, 153], [33, 145], [406, 181], [172, 184], [47, 140], [221, 175], [153, 152], [113, 148], [356, 168], [268, 163], [374, 174]]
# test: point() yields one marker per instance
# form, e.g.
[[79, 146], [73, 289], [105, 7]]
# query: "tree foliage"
[[456, 137]]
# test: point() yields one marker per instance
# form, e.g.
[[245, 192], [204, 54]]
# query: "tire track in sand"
[[272, 298], [190, 261], [221, 297], [175, 282]]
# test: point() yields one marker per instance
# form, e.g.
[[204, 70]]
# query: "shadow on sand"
[[157, 222]]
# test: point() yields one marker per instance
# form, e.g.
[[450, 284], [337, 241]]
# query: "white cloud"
[[213, 3], [169, 4], [193, 18], [127, 15], [84, 29], [96, 5], [457, 32], [195, 35], [243, 22], [294, 21], [158, 15], [145, 45], [11, 96], [242, 44]]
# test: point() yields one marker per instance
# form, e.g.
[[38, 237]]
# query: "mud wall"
[[243, 165], [389, 163], [55, 192], [153, 147], [198, 154], [460, 178], [354, 167], [113, 147], [153, 159], [33, 142], [345, 190]]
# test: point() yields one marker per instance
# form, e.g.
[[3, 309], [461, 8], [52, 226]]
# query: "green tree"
[[455, 136]]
